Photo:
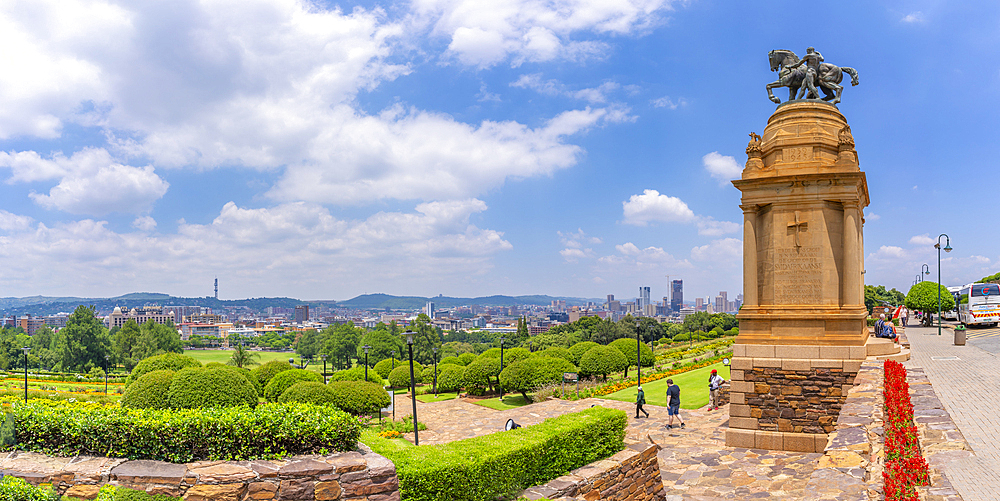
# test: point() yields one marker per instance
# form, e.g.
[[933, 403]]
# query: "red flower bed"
[[905, 467]]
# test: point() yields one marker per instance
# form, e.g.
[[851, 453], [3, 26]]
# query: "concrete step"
[[881, 346], [900, 357]]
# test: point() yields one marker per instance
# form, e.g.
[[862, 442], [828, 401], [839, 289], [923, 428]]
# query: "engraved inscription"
[[797, 154], [798, 275]]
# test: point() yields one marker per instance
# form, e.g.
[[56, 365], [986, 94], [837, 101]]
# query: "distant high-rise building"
[[429, 309], [643, 298], [677, 296], [611, 298], [216, 287], [699, 303], [302, 313], [720, 304]]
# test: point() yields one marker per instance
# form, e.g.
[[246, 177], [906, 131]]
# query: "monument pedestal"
[[802, 325]]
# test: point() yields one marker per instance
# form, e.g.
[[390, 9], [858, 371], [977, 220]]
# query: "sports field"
[[694, 388]]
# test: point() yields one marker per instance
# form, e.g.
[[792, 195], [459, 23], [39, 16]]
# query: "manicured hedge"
[[555, 352], [16, 489], [602, 360], [358, 374], [264, 373], [359, 397], [526, 375], [110, 492], [267, 431], [467, 358], [203, 387], [578, 349], [501, 464], [384, 367], [400, 376], [308, 392], [451, 360], [627, 347], [285, 379], [149, 391], [480, 373], [166, 361]]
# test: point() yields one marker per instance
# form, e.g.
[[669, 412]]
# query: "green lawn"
[[441, 397], [222, 356], [694, 388], [509, 402]]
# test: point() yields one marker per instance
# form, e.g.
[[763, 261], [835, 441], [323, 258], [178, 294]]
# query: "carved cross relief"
[[798, 226]]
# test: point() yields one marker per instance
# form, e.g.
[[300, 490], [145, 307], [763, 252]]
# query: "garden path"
[[694, 461]]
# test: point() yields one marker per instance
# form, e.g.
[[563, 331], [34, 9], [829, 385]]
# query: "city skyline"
[[571, 148]]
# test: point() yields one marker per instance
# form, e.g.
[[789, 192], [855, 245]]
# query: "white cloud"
[[486, 95], [485, 33], [575, 245], [666, 102], [144, 223], [889, 252], [727, 250], [871, 216], [924, 239], [724, 168], [913, 17], [631, 259], [710, 227], [594, 95], [285, 249], [652, 206], [14, 222]]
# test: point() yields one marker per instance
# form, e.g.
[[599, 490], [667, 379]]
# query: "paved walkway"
[[967, 385], [694, 462]]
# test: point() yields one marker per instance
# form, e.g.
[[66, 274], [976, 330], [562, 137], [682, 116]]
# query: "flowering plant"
[[905, 467]]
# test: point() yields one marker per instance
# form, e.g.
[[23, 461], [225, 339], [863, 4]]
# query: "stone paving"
[[694, 462], [966, 385]]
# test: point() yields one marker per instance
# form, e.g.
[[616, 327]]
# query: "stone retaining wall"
[[350, 476], [632, 474]]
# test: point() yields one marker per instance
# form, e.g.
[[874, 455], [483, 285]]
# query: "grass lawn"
[[222, 356], [508, 402], [395, 444], [441, 397], [694, 388]]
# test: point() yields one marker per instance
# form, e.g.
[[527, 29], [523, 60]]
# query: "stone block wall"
[[632, 474], [780, 401], [350, 476]]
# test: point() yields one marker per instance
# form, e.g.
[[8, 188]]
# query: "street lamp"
[[413, 387], [926, 270], [26, 350], [392, 353], [323, 356], [501, 368], [435, 350], [366, 347], [638, 354], [106, 359], [947, 248]]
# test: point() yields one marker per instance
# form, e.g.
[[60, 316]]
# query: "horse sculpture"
[[828, 77]]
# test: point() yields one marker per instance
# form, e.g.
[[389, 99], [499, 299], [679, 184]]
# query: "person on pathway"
[[640, 399], [904, 314], [880, 326], [673, 403], [715, 382]]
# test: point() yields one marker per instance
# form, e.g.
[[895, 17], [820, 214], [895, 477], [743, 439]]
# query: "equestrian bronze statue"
[[807, 76]]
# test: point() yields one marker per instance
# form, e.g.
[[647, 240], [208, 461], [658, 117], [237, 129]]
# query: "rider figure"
[[812, 60]]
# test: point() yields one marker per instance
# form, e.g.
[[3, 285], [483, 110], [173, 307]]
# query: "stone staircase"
[[886, 349]]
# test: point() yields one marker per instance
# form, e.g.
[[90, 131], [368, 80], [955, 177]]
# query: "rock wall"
[[632, 474], [349, 476]]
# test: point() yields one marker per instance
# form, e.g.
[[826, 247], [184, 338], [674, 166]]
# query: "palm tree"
[[242, 357]]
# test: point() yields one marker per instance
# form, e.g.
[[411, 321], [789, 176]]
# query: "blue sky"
[[463, 147]]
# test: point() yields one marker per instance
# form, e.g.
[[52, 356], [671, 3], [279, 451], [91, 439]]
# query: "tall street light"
[[323, 356], [26, 350], [366, 347], [947, 248], [413, 387], [501, 368], [392, 353], [638, 353], [926, 270], [435, 350]]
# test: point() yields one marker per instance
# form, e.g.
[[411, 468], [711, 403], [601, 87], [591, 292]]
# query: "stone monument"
[[803, 324]]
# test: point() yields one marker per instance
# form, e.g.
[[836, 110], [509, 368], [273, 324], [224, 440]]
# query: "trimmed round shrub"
[[511, 355], [199, 387], [166, 361], [450, 378], [149, 391], [627, 347], [550, 369], [735, 331], [578, 349], [526, 375], [555, 352], [285, 379], [400, 376], [427, 375], [451, 360], [386, 366], [214, 365], [308, 392], [262, 374], [467, 358], [359, 397], [357, 374], [490, 353], [601, 361], [481, 372]]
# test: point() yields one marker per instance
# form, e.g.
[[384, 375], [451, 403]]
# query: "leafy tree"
[[577, 350], [41, 346], [242, 357], [924, 297], [308, 345], [84, 341], [650, 329], [340, 343], [425, 337], [382, 342], [602, 360], [877, 295], [480, 372], [994, 278], [699, 321], [627, 347], [122, 343], [522, 332]]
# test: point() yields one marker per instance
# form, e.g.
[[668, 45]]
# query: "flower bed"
[[698, 350], [905, 467], [621, 385]]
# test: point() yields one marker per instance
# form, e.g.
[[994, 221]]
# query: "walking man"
[[673, 403], [715, 382], [640, 399]]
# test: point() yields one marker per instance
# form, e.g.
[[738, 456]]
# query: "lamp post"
[[106, 359], [947, 248], [413, 387], [323, 356], [392, 353], [26, 350], [435, 350], [638, 354], [366, 347], [500, 388], [926, 270]]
